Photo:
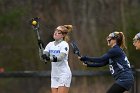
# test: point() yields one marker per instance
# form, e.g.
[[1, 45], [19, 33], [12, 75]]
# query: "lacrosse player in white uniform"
[[57, 53]]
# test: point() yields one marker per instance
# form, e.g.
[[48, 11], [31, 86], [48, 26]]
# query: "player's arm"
[[59, 58], [45, 55], [96, 61], [100, 61]]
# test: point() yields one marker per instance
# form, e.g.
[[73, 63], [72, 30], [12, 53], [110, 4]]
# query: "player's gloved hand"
[[83, 58], [45, 57]]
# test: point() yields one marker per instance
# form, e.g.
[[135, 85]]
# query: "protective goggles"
[[136, 38], [113, 35]]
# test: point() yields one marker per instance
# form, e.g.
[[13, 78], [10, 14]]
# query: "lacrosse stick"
[[35, 25], [76, 49]]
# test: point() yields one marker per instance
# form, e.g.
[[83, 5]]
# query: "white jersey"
[[59, 69]]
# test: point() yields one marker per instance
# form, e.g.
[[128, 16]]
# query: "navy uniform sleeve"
[[100, 61], [97, 61]]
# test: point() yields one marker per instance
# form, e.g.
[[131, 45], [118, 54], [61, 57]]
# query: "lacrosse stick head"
[[75, 48], [35, 22]]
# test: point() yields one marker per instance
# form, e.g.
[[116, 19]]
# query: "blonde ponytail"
[[120, 39], [123, 45], [68, 29]]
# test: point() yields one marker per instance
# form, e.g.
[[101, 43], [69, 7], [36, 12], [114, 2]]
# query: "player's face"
[[58, 33], [110, 42], [136, 43]]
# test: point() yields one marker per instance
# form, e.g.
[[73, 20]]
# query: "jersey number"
[[111, 69]]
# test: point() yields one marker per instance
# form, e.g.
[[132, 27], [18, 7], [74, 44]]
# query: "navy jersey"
[[118, 64]]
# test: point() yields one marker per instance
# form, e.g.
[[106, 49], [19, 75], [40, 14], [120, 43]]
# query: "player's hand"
[[84, 62], [44, 56], [83, 58]]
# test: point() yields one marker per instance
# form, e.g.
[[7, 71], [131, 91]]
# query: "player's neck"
[[58, 41]]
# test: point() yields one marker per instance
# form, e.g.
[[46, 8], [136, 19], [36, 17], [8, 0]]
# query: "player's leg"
[[64, 84], [54, 90], [115, 88], [54, 85], [63, 89]]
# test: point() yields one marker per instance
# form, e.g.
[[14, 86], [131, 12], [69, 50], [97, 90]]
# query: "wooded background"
[[93, 20]]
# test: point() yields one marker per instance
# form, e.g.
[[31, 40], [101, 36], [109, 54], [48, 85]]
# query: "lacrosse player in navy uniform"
[[57, 52], [136, 41], [117, 61]]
